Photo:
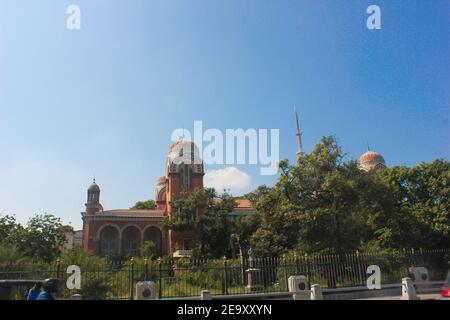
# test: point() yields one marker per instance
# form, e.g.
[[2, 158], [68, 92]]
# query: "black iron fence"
[[187, 278]]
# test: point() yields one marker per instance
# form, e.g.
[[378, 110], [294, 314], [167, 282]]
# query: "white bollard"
[[298, 285], [316, 292], [145, 290], [408, 290], [205, 295], [421, 278]]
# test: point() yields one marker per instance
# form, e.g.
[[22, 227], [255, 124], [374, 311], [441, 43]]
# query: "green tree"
[[320, 204], [242, 229], [257, 194], [9, 229], [420, 217], [9, 254], [205, 213], [149, 250], [42, 237], [95, 288], [144, 205]]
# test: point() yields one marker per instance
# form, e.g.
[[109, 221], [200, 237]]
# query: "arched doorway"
[[109, 241], [131, 241], [154, 235]]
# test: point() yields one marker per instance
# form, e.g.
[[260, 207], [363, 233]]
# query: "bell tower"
[[93, 199], [93, 206], [184, 174]]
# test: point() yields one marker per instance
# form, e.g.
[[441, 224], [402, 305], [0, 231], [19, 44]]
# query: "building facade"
[[122, 232]]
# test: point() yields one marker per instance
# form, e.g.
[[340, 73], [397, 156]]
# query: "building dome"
[[160, 184], [184, 152], [371, 160], [94, 187], [161, 181]]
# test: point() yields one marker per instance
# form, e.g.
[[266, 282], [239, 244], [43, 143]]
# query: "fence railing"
[[187, 278]]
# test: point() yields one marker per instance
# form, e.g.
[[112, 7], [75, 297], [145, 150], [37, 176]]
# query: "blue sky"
[[104, 100]]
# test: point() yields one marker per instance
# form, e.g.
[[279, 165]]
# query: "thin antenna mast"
[[298, 134]]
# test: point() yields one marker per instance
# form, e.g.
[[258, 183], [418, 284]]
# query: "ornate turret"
[[93, 199], [160, 196]]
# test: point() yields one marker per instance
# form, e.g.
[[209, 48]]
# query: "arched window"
[[109, 241], [154, 235], [186, 176], [131, 242]]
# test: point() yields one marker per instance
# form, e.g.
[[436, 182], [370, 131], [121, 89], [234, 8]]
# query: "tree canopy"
[[40, 239], [144, 205], [325, 204], [205, 213]]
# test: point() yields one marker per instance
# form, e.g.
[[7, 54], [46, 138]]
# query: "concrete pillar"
[[205, 295], [145, 290], [253, 283], [408, 290], [316, 292], [298, 285], [120, 243], [141, 243]]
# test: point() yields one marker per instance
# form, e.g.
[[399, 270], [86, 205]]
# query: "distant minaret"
[[298, 135]]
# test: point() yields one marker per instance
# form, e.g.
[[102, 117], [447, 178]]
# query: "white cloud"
[[228, 178]]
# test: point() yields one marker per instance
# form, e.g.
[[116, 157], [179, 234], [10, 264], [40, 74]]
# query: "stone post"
[[253, 279], [298, 285], [316, 292], [205, 295], [408, 290]]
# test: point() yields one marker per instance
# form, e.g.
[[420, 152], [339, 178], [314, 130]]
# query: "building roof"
[[243, 207], [244, 204], [131, 213]]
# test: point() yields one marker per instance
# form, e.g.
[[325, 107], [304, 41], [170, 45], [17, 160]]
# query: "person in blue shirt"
[[49, 290], [34, 292]]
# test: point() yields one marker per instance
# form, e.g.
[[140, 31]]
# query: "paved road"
[[429, 296]]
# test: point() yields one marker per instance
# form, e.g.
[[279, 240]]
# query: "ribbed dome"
[[371, 160], [183, 151], [160, 185], [94, 187], [161, 181], [181, 147]]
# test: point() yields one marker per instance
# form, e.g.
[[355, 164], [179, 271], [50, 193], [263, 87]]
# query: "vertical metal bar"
[[225, 277], [146, 269], [242, 268], [58, 267], [131, 278], [285, 273], [160, 278]]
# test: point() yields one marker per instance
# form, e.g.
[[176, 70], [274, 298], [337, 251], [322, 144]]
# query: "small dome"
[[161, 184], [371, 160], [94, 187], [161, 181]]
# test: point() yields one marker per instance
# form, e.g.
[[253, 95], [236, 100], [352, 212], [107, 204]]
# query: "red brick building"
[[122, 232]]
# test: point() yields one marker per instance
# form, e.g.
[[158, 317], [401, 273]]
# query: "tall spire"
[[298, 135]]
